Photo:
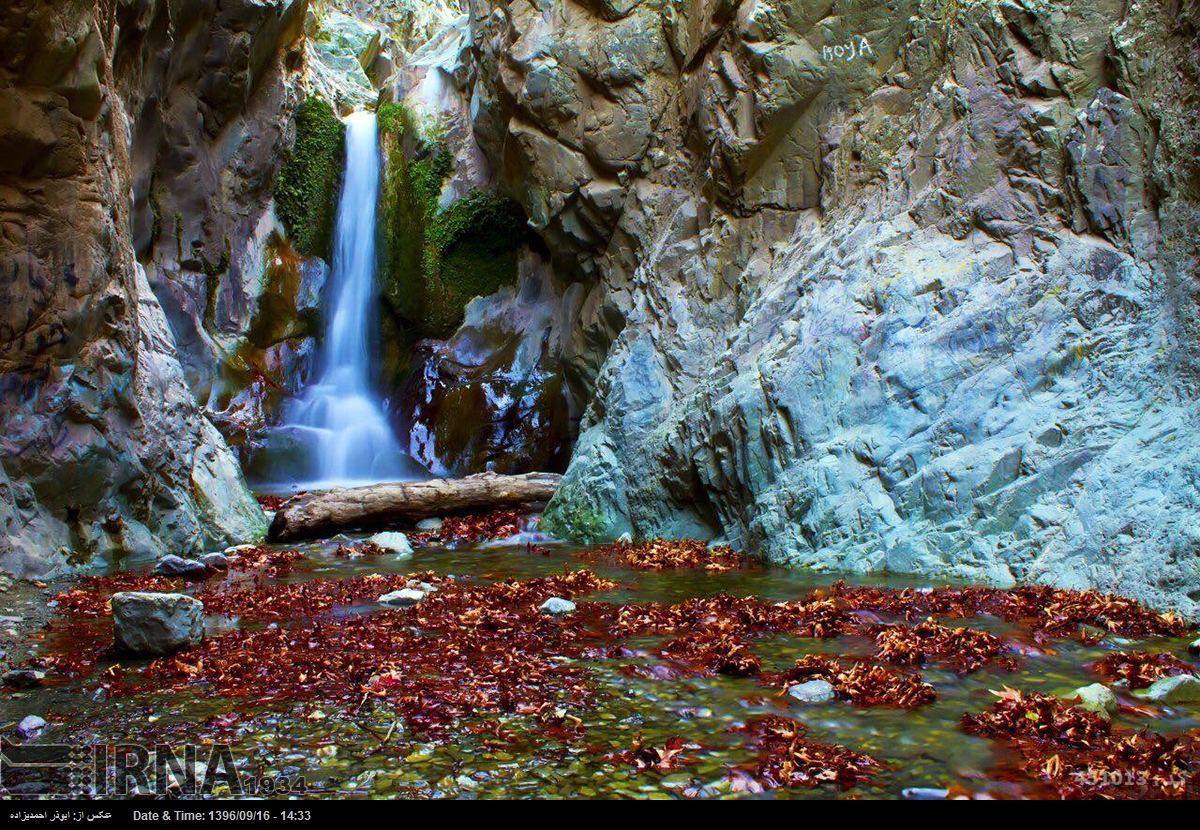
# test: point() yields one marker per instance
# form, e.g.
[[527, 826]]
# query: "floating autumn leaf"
[[1078, 754], [1140, 668], [665, 758], [264, 560], [664, 554], [860, 682], [1049, 612], [499, 524], [712, 653], [465, 650], [91, 594], [788, 759], [965, 649]]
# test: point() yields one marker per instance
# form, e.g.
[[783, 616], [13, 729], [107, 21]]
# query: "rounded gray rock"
[[155, 624], [557, 607], [172, 565]]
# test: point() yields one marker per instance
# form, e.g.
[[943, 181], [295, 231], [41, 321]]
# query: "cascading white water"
[[339, 422]]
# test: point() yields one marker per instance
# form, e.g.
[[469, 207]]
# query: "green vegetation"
[[437, 260], [306, 191]]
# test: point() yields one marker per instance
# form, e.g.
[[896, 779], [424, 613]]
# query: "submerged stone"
[[1184, 688], [156, 624]]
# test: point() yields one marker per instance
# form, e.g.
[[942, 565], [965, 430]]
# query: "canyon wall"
[[906, 286], [136, 136]]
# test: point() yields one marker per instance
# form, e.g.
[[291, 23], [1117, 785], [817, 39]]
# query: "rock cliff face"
[[905, 286], [129, 130]]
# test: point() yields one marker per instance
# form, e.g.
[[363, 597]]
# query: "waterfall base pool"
[[644, 727]]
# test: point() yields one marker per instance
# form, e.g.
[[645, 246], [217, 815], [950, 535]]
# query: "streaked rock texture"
[[126, 130], [904, 286]]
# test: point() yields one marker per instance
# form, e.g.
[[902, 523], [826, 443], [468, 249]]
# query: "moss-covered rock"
[[436, 260], [306, 192]]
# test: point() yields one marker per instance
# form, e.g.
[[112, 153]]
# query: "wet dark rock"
[[24, 678], [172, 565]]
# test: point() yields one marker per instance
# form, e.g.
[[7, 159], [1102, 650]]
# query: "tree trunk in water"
[[328, 512]]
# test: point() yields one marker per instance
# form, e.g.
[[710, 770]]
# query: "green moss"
[[436, 261], [306, 191]]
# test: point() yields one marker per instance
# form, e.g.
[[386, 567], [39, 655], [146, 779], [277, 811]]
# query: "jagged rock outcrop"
[[901, 287], [132, 129]]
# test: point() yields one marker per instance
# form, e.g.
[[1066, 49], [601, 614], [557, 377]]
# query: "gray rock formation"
[[901, 287], [104, 450], [155, 624]]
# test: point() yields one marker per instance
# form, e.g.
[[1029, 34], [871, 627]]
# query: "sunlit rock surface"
[[903, 287]]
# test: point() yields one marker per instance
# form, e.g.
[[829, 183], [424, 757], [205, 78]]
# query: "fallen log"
[[328, 512]]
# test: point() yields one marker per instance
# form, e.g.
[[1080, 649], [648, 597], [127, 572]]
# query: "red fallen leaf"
[[1078, 754], [963, 648], [1050, 612], [664, 554], [1140, 668], [715, 654], [663, 759], [860, 682], [265, 560], [789, 759], [467, 649], [499, 524]]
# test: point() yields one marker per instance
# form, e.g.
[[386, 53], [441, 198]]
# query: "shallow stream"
[[369, 753]]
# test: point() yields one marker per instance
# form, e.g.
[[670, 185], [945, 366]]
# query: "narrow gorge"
[[821, 324]]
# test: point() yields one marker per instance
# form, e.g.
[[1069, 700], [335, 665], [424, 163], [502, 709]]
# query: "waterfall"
[[339, 424]]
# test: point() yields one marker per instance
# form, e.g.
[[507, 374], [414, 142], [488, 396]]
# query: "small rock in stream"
[[156, 624], [172, 565], [1098, 698], [813, 691], [625, 538], [24, 678], [924, 794], [404, 598], [394, 542], [31, 726], [557, 607], [1184, 688], [1194, 647], [431, 524]]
